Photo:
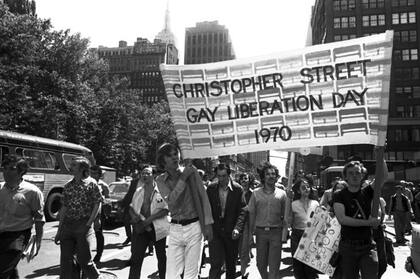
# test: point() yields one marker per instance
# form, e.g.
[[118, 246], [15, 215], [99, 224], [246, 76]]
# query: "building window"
[[416, 91], [344, 5], [400, 111], [407, 74], [373, 20], [344, 37], [406, 36], [403, 3], [415, 134], [344, 22], [404, 18], [409, 54], [373, 4], [337, 22]]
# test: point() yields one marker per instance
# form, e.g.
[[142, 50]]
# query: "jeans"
[[358, 257], [99, 234], [223, 249], [269, 245], [245, 250], [139, 244], [76, 238], [300, 270], [400, 224], [12, 244], [184, 251]]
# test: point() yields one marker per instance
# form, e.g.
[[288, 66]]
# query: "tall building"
[[207, 42], [336, 20], [140, 62]]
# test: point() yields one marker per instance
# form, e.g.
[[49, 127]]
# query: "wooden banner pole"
[[379, 180], [288, 188]]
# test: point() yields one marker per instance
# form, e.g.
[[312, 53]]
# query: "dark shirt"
[[80, 197], [348, 199]]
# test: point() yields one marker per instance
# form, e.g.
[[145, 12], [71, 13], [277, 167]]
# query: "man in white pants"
[[190, 210]]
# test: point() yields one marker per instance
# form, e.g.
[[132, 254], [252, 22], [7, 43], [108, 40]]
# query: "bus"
[[49, 164]]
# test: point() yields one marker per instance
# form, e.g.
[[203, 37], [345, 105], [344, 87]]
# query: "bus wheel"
[[52, 206]]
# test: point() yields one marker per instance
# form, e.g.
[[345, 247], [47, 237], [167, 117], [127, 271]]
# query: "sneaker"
[[127, 241]]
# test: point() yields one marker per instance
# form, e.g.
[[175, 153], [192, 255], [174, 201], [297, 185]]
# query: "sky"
[[256, 27]]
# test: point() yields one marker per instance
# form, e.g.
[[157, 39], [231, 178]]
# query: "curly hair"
[[264, 166]]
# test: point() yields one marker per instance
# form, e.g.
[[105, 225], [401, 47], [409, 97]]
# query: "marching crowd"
[[227, 214]]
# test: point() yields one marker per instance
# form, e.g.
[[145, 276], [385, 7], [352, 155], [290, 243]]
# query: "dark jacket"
[[405, 203], [235, 211]]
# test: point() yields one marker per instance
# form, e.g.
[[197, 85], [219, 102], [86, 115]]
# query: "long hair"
[[164, 150], [296, 190]]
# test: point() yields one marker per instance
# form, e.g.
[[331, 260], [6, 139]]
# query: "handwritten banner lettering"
[[319, 242], [330, 94]]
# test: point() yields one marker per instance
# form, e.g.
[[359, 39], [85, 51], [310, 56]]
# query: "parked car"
[[111, 208]]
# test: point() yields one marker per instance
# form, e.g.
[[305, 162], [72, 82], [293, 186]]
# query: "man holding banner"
[[191, 216], [352, 206], [266, 212]]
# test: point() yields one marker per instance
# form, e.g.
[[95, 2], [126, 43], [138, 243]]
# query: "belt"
[[268, 228], [185, 221]]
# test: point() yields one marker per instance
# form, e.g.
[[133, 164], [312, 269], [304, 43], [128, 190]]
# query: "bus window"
[[4, 151], [38, 159], [67, 158]]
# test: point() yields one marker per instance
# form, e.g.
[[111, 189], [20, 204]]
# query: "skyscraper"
[[336, 20], [140, 62], [207, 42]]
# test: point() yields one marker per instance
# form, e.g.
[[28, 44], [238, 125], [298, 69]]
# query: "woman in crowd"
[[326, 199], [149, 216], [302, 208]]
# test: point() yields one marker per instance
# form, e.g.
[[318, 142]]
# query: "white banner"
[[330, 94], [319, 242]]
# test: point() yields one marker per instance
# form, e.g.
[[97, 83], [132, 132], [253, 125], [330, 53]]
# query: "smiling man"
[[266, 212]]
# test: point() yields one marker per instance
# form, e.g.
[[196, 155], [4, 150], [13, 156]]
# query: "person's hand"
[[135, 219], [208, 232], [57, 237], [289, 193], [374, 221], [235, 234], [188, 170], [147, 222], [37, 245]]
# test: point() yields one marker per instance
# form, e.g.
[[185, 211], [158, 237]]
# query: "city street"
[[46, 264]]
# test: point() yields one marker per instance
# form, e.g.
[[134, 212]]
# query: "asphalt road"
[[46, 264]]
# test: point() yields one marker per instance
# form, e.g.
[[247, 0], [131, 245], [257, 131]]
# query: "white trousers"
[[185, 244]]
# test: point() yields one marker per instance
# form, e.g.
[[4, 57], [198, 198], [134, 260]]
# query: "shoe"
[[127, 241]]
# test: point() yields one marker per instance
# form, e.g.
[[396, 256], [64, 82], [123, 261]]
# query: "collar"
[[19, 186], [229, 186], [166, 175]]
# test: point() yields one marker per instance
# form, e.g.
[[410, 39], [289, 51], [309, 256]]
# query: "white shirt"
[[161, 225], [300, 215]]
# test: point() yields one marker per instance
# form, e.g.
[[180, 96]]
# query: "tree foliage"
[[52, 85]]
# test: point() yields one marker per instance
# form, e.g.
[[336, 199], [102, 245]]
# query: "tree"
[[21, 6], [52, 85]]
